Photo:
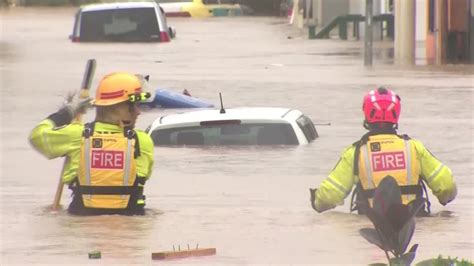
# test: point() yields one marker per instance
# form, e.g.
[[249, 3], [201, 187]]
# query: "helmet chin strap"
[[370, 127], [125, 123], [366, 125]]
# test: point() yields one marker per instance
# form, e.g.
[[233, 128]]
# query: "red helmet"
[[381, 105]]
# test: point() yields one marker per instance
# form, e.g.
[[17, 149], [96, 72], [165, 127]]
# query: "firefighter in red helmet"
[[382, 152]]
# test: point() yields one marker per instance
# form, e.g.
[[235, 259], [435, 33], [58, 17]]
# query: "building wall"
[[471, 41]]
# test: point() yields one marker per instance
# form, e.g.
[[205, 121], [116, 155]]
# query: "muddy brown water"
[[251, 203]]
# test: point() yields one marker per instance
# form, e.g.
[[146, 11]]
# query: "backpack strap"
[[404, 136], [356, 193], [88, 130], [357, 145], [129, 133], [428, 203]]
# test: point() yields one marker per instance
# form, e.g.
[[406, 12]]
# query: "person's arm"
[[55, 136], [335, 188], [145, 160], [58, 134], [438, 176]]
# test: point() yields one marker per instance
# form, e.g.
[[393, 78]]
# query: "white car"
[[121, 22], [234, 126]]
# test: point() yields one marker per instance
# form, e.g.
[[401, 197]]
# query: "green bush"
[[440, 261]]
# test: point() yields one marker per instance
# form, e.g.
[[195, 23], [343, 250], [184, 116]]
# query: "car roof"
[[242, 113], [119, 5]]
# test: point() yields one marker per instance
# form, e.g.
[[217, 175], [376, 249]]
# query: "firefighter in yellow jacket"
[[382, 152], [108, 160]]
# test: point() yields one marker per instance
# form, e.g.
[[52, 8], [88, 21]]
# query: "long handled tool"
[[84, 93]]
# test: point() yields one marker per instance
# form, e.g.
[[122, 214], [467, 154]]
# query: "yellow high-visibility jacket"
[[338, 185], [53, 142]]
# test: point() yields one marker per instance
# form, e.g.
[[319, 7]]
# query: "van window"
[[126, 25], [224, 134]]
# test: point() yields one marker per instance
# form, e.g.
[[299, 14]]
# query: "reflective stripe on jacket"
[[53, 142], [390, 155], [335, 188], [107, 169]]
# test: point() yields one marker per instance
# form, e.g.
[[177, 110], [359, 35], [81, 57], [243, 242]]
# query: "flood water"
[[250, 203]]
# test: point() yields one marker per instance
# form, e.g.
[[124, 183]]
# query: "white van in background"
[[121, 22]]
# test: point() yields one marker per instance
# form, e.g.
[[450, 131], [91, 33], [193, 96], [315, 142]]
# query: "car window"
[[162, 18], [173, 1], [230, 2], [227, 134], [76, 24], [131, 24], [307, 127]]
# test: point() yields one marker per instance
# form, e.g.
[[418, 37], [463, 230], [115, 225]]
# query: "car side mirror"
[[172, 32]]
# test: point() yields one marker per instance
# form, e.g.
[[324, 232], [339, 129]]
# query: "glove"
[[312, 192], [72, 106], [75, 105]]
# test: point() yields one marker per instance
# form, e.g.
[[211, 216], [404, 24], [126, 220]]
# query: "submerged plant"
[[440, 261], [393, 221]]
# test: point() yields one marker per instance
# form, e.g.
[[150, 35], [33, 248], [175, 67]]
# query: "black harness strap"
[[357, 145], [405, 190], [110, 190], [428, 203], [131, 134], [88, 130], [358, 188]]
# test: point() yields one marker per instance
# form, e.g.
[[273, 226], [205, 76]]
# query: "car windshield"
[[227, 134], [173, 1], [126, 25]]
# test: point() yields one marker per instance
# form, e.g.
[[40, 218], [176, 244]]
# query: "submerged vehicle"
[[121, 22], [202, 8], [234, 126]]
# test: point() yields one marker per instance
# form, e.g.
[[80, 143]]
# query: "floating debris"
[[179, 254], [95, 255]]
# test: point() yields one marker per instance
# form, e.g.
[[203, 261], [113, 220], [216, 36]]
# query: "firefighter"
[[382, 152], [108, 161]]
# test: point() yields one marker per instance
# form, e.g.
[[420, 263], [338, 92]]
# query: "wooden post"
[[441, 30], [368, 33]]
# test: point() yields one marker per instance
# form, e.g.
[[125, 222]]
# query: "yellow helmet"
[[118, 87]]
